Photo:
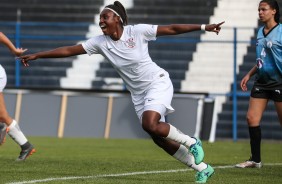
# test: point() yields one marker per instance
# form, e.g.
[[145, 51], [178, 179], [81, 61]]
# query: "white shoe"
[[249, 164]]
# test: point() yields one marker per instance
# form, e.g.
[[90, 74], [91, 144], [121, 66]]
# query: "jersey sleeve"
[[92, 45], [148, 31]]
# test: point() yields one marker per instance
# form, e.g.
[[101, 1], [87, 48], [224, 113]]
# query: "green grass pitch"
[[131, 161]]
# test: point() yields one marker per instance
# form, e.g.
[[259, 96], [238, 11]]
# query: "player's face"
[[108, 22], [266, 13]]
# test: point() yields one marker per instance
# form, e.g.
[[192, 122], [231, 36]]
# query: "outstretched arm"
[[10, 45], [56, 53], [175, 29]]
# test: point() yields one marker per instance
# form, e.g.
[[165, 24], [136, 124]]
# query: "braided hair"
[[119, 10], [274, 5]]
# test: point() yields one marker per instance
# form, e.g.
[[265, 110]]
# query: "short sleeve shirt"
[[129, 55], [269, 58]]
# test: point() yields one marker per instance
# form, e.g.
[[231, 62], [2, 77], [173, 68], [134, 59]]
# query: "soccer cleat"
[[249, 164], [26, 153], [3, 133], [204, 175], [197, 151]]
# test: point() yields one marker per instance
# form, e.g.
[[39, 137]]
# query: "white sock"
[[176, 135], [16, 134], [184, 156]]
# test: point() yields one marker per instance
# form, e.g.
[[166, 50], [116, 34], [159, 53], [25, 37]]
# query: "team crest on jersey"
[[269, 44], [130, 43], [259, 63]]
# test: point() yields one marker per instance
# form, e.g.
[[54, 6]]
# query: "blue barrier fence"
[[19, 36]]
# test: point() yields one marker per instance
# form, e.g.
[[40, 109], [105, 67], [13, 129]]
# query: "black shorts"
[[272, 94]]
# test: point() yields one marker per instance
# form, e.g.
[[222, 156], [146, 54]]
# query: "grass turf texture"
[[75, 157]]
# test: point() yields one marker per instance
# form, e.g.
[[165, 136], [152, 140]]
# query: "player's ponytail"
[[120, 10], [277, 15]]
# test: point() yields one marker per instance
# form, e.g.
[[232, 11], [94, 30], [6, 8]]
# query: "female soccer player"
[[268, 82], [126, 48], [10, 125]]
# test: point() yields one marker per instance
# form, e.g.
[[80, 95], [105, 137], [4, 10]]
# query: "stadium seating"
[[50, 10], [46, 24], [172, 53], [176, 54], [172, 56]]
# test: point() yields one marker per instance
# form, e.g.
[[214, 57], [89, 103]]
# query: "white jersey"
[[3, 78], [129, 55]]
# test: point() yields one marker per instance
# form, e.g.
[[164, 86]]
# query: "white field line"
[[122, 174]]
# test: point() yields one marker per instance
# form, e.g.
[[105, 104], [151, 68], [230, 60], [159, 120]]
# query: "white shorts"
[[156, 98], [3, 78]]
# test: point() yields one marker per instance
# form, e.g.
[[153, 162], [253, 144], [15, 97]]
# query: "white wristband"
[[203, 27]]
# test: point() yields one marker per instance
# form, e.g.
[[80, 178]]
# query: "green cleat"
[[197, 151], [204, 175]]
